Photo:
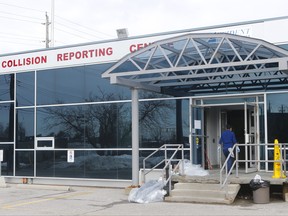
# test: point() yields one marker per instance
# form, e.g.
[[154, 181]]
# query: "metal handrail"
[[167, 170], [223, 183]]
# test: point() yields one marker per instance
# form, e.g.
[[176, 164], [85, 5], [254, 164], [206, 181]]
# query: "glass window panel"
[[60, 85], [8, 158], [229, 100], [99, 89], [25, 89], [7, 87], [25, 129], [277, 117], [185, 122], [87, 126], [76, 85], [157, 123], [6, 122], [87, 164], [147, 95], [24, 163], [284, 46]]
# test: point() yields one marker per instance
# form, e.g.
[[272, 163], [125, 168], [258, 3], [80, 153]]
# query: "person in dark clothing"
[[227, 140]]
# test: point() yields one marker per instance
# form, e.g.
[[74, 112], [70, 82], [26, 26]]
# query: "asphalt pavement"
[[19, 199]]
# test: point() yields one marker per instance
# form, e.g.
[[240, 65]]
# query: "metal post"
[[246, 136], [135, 137], [284, 158], [237, 163], [167, 174], [1, 159], [182, 162]]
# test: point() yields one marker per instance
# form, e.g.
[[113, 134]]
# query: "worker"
[[228, 140]]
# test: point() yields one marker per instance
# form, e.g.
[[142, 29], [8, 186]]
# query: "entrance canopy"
[[203, 63]]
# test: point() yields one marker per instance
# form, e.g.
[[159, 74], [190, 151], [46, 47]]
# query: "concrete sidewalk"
[[53, 200]]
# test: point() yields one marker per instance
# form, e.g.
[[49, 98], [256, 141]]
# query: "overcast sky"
[[80, 21]]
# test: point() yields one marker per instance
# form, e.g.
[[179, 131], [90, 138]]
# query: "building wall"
[[59, 93]]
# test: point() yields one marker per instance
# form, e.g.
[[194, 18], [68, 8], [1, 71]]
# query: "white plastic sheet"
[[193, 169], [151, 191]]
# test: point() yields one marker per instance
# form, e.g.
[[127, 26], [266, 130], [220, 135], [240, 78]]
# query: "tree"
[[108, 124]]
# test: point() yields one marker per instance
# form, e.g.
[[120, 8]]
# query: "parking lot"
[[60, 200]]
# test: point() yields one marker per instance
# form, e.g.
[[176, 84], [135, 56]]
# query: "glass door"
[[252, 138]]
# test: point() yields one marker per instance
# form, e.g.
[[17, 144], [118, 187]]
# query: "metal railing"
[[282, 147], [167, 170]]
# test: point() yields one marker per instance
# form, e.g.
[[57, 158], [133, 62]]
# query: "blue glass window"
[[77, 85], [6, 122], [86, 164], [86, 126], [25, 129], [24, 163], [7, 87], [25, 89]]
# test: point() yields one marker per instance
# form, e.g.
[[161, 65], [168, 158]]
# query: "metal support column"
[[135, 137]]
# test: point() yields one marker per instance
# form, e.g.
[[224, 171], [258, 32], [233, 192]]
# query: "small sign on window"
[[70, 156], [1, 155]]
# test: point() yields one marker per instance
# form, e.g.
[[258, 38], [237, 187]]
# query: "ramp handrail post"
[[285, 158], [167, 162], [182, 161]]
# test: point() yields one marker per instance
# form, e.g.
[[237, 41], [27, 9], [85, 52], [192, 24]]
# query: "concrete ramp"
[[203, 193]]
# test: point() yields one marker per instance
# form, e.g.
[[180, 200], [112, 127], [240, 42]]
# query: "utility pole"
[[47, 23]]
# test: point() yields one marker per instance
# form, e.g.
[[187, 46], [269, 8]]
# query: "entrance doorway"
[[209, 117]]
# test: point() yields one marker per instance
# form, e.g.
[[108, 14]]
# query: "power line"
[[80, 31], [19, 38], [10, 35], [19, 19], [13, 42], [31, 9], [77, 24], [79, 36], [74, 28], [17, 15]]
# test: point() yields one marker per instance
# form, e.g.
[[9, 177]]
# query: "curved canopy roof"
[[203, 63]]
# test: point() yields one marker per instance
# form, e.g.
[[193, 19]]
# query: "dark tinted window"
[[24, 163], [157, 123], [25, 129], [6, 122], [76, 85], [8, 156], [277, 114], [25, 89], [7, 87], [86, 126], [87, 164]]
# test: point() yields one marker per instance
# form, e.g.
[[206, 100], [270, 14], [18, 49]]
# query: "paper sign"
[[197, 124], [70, 156]]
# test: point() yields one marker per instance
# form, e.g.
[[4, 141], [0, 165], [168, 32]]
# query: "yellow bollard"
[[277, 165]]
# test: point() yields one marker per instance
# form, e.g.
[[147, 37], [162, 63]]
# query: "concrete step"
[[203, 193], [200, 186], [200, 193], [185, 199]]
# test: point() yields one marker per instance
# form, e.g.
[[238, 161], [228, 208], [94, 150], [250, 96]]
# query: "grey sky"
[[79, 21]]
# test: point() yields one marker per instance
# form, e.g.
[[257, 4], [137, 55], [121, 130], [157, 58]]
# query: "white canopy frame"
[[204, 63]]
